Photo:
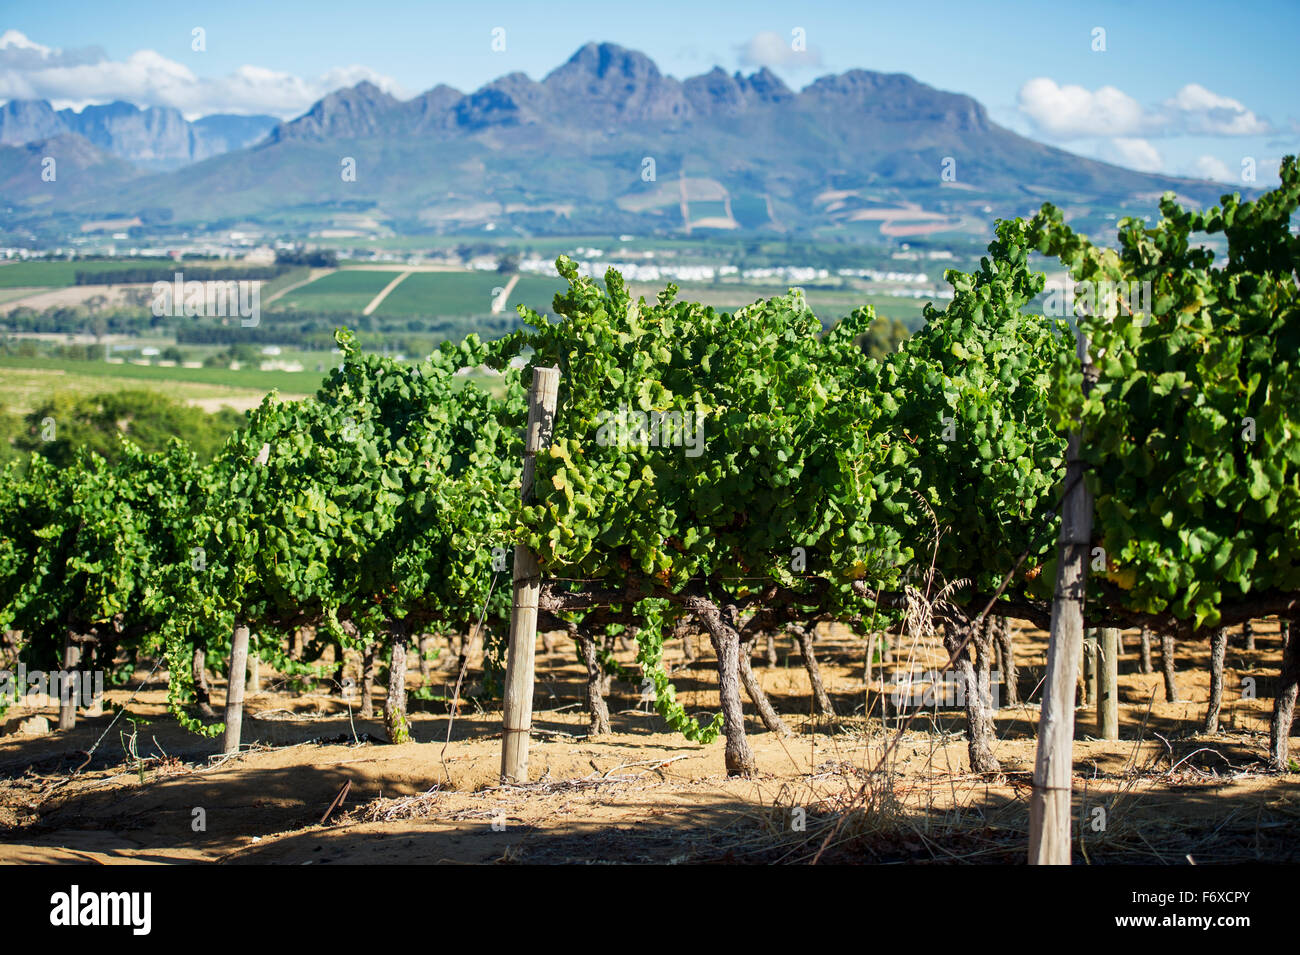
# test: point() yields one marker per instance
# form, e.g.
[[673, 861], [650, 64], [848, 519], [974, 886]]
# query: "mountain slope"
[[155, 138], [61, 170], [606, 142]]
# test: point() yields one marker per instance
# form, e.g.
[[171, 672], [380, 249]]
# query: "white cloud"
[[771, 49], [1074, 112], [1212, 167], [1132, 153], [18, 52], [1070, 112], [29, 70], [1202, 111]]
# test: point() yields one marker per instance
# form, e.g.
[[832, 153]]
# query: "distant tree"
[[241, 352], [315, 258], [64, 422], [11, 426], [508, 262], [884, 336]]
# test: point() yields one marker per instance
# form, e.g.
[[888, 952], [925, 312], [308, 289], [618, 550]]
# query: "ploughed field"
[[848, 788]]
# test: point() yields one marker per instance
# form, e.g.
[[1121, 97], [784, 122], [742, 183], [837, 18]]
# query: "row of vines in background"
[[731, 475]]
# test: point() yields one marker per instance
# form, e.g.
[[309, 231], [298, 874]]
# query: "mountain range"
[[604, 143], [155, 138]]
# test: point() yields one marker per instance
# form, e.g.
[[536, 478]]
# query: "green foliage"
[[744, 474], [977, 441], [1193, 428], [380, 502], [63, 424], [778, 467]]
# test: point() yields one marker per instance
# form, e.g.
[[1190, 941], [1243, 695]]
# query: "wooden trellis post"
[[235, 682], [237, 678], [517, 702], [1049, 807], [69, 684], [1108, 684]]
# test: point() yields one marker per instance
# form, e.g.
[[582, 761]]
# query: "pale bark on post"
[[235, 690], [70, 685], [1248, 635], [517, 702], [95, 705], [254, 673], [1108, 684], [1049, 807], [1218, 651]]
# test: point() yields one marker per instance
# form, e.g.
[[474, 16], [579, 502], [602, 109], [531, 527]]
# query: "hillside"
[[606, 142]]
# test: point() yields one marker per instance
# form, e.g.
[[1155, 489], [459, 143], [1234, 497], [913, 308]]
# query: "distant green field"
[[337, 292], [23, 389], [829, 306], [537, 292], [250, 379], [459, 294], [750, 211], [26, 382], [708, 209], [62, 274]]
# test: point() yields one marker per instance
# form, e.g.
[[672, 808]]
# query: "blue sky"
[[1187, 88]]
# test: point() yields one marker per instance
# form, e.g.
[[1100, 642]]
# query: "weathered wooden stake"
[[95, 706], [517, 703], [1049, 807], [1108, 684], [1218, 651], [70, 685], [235, 683]]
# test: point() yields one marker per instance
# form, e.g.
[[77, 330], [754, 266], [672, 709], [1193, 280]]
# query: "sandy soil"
[[72, 295], [1165, 792]]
